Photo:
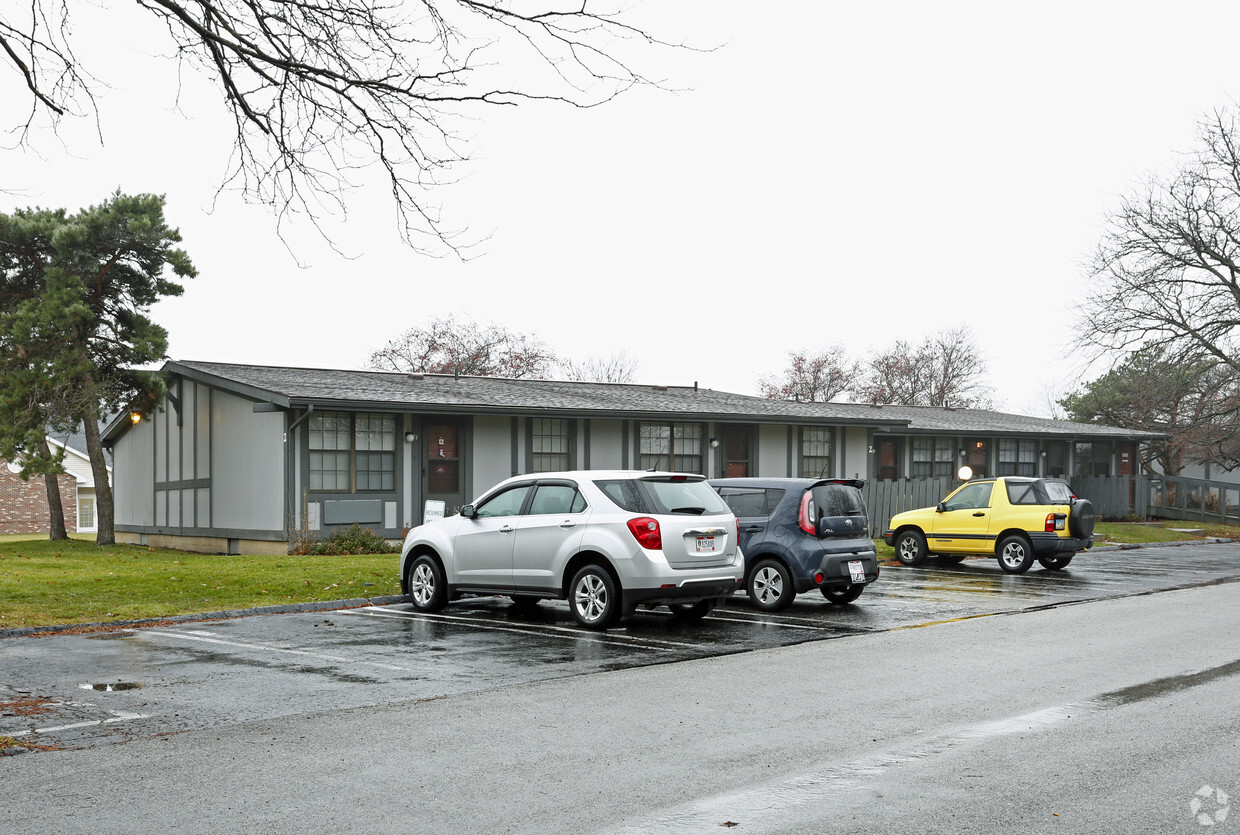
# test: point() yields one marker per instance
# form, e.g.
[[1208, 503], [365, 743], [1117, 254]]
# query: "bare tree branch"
[[322, 91], [1166, 276]]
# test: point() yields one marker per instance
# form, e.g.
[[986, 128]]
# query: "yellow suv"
[[1014, 519]]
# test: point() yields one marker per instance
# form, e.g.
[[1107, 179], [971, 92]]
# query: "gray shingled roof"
[[445, 393]]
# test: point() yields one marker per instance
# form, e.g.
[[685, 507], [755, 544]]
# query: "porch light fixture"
[[410, 437], [135, 417], [714, 443], [965, 473]]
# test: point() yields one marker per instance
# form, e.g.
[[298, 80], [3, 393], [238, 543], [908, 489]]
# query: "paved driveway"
[[77, 691]]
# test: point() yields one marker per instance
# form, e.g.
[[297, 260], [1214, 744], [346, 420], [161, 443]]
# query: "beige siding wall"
[[607, 445], [773, 452], [493, 452], [247, 465], [854, 458], [133, 459]]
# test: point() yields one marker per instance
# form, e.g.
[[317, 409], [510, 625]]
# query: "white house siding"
[[853, 460], [248, 463], [773, 451], [607, 445], [492, 451], [133, 496]]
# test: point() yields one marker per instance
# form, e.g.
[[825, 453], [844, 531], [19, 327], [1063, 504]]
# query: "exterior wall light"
[[135, 417], [965, 473], [410, 437], [714, 443]]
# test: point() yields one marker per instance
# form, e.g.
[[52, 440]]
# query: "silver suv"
[[606, 541]]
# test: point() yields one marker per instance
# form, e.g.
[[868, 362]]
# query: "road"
[[1096, 701]]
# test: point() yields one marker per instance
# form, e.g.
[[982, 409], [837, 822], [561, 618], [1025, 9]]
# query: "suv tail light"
[[646, 531], [805, 517], [1055, 522]]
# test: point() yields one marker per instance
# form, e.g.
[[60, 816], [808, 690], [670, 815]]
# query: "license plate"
[[706, 543], [857, 570]]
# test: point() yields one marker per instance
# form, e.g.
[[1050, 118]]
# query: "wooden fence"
[[1114, 497]]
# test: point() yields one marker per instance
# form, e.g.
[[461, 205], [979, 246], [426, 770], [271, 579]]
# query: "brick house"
[[23, 504]]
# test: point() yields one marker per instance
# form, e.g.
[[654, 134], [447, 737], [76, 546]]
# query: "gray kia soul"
[[800, 534]]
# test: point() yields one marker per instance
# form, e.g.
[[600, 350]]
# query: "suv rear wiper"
[[696, 511]]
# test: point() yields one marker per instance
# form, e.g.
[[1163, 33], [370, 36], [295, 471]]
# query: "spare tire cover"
[[1081, 519]]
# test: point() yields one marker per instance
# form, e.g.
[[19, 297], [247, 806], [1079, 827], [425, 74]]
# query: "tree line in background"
[[452, 345], [945, 369]]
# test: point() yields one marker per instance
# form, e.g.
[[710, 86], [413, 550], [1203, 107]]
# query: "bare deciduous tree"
[[619, 367], [946, 369], [812, 377], [451, 346], [320, 91], [1166, 276]]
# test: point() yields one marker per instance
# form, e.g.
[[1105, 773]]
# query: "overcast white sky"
[[834, 172]]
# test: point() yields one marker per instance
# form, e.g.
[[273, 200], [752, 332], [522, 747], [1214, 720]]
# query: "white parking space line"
[[543, 629], [770, 620], [205, 638], [116, 717]]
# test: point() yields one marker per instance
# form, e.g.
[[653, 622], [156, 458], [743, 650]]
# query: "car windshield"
[[838, 500], [676, 494]]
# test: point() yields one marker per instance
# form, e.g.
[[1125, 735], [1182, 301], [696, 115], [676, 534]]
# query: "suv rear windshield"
[[668, 494]]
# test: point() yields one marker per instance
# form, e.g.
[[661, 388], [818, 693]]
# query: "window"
[[507, 503], [624, 494], [1023, 492], [934, 457], [557, 498], [671, 446], [86, 513], [971, 495], [351, 453], [815, 451], [1091, 459], [1018, 457], [549, 445], [751, 501]]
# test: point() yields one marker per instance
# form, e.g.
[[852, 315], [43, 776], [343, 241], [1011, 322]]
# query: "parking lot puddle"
[[751, 807]]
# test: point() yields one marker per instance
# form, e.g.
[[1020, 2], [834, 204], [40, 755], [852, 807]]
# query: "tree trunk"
[[99, 467], [56, 510]]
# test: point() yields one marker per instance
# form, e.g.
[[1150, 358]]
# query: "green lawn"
[[44, 583]]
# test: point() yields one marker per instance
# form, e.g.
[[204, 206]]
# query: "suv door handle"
[[568, 523], [506, 528], [752, 529], [979, 513]]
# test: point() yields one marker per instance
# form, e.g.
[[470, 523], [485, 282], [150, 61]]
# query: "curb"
[[289, 608]]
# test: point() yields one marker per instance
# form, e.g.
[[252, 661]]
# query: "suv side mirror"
[[469, 512], [941, 508]]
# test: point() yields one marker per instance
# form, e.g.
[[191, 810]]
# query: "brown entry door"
[[443, 475], [737, 444]]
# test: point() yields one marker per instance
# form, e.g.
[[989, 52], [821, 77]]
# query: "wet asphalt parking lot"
[[81, 690]]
